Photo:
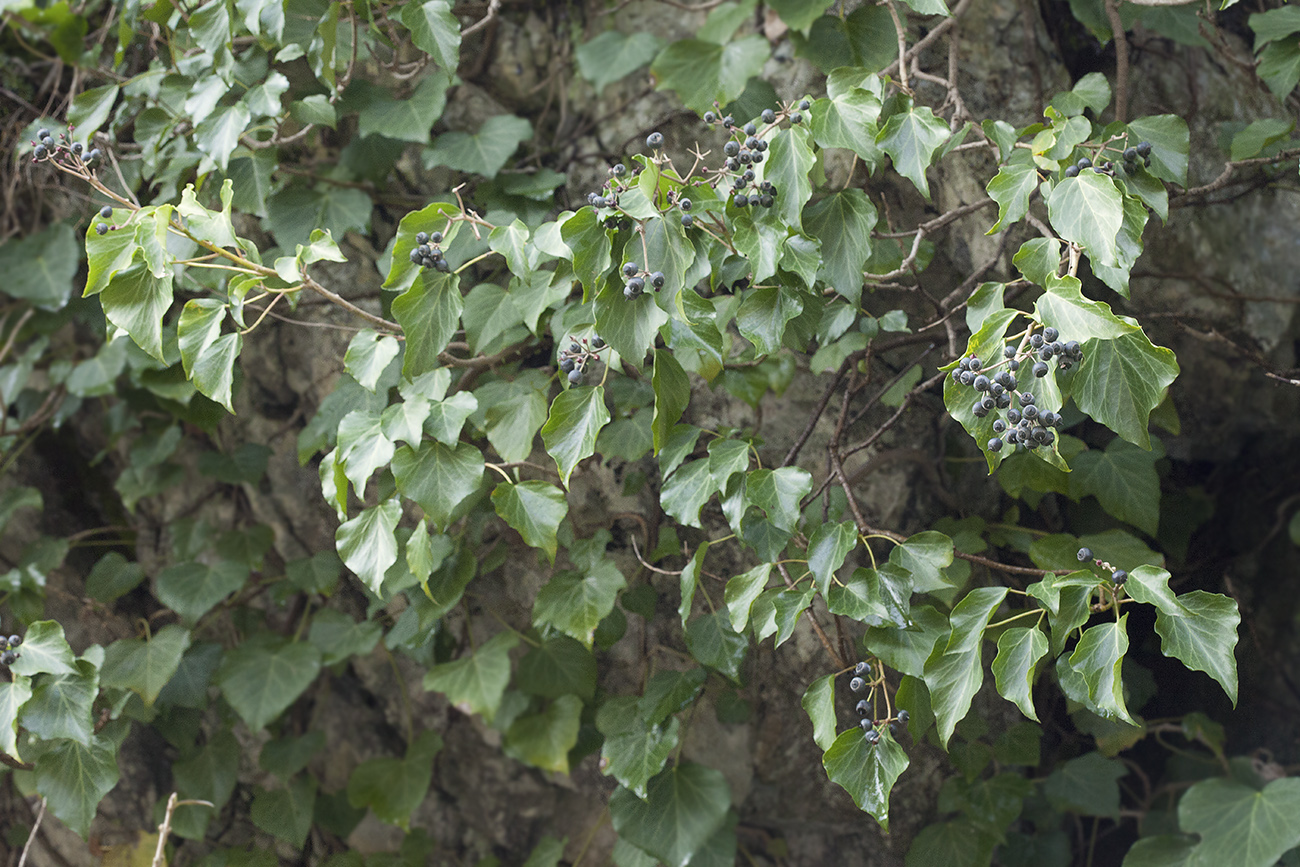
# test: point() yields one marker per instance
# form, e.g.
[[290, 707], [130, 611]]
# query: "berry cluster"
[[428, 253], [1024, 423], [1131, 155], [1106, 167], [46, 147], [1118, 576], [869, 725], [105, 213], [8, 655], [608, 195], [636, 280], [579, 353]]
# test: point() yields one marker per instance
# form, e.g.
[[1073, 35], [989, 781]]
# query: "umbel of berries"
[[9, 649], [428, 252]]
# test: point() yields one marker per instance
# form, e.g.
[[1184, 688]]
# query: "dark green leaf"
[[788, 166], [1097, 659], [703, 73], [261, 680], [394, 788], [191, 589], [1011, 188], [544, 740], [339, 637], [819, 703], [1241, 825], [843, 221], [75, 778], [684, 806], [574, 603], [475, 683], [435, 31], [60, 704], [910, 138], [1169, 140], [367, 542], [145, 665], [742, 590], [285, 813], [713, 642], [954, 671], [672, 394], [429, 313], [534, 510], [1121, 381], [828, 546], [612, 56], [437, 477], [1019, 650], [1123, 479], [1088, 210], [577, 415], [764, 314], [483, 153], [866, 771], [1088, 785], [113, 577], [559, 666], [39, 268]]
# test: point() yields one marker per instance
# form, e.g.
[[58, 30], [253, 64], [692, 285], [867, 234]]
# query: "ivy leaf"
[[40, 267], [635, 748], [218, 135], [763, 315], [446, 418], [213, 372], [713, 642], [843, 221], [533, 509], [906, 650], [789, 165], [876, 597], [339, 637], [1123, 479], [44, 651], [1097, 659], [135, 301], [429, 313], [702, 73], [667, 249], [1088, 210], [261, 679], [60, 704], [828, 546], [1170, 144], [954, 672], [191, 589], [866, 771], [612, 56], [590, 242], [367, 356], [629, 327], [778, 493], [543, 740], [672, 394], [296, 212], [684, 806], [925, 555], [910, 138], [1064, 307], [394, 788], [1019, 650], [438, 477], [485, 152], [1038, 259], [742, 590], [13, 695], [577, 415], [286, 813], [819, 703], [1121, 381], [1239, 824], [575, 602], [368, 544], [689, 579], [1011, 188], [145, 665], [1203, 636], [686, 491], [558, 666], [435, 31], [74, 778], [847, 119], [476, 683], [1088, 785]]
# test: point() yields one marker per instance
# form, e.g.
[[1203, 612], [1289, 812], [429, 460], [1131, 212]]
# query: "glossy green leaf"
[[687, 490], [429, 313], [476, 683], [575, 602], [533, 509], [544, 740], [1011, 188], [672, 395], [1203, 636], [145, 665], [1064, 307], [689, 579], [1019, 650], [910, 138], [866, 771], [925, 555], [907, 649], [367, 543], [192, 589], [763, 316], [742, 590], [1088, 210], [684, 806], [1121, 381], [828, 546], [843, 222], [577, 415], [789, 163], [630, 327], [261, 680], [74, 778], [1239, 824], [394, 788], [1038, 259], [635, 750], [367, 356], [702, 73], [819, 703], [848, 120], [60, 704], [135, 301], [1123, 479], [876, 597], [556, 667], [778, 493], [13, 695], [44, 651], [446, 418], [713, 642], [435, 31], [483, 153], [1097, 659], [437, 477], [1169, 139], [954, 672]]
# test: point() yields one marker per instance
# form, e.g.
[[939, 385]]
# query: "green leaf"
[[44, 651], [296, 212], [1121, 381], [686, 491], [635, 749], [876, 597], [435, 31], [485, 152], [429, 313], [39, 268], [789, 165], [954, 671], [339, 637], [559, 666], [437, 477], [1011, 188], [1252, 140], [672, 394], [702, 73], [135, 301], [476, 683], [1170, 144], [544, 740], [287, 756], [218, 134], [367, 542], [577, 415], [1241, 825], [1273, 25], [629, 327], [612, 56], [92, 107], [1088, 785], [1279, 67], [1088, 209], [533, 509], [778, 493], [446, 418], [828, 546], [285, 813], [763, 315], [910, 138], [866, 771], [925, 555], [590, 242], [799, 14], [367, 356], [819, 703], [848, 120], [394, 788], [1064, 307], [843, 221], [684, 806], [1097, 659], [192, 589], [1019, 650], [1123, 479], [575, 602], [713, 642], [74, 778], [13, 695], [261, 680], [742, 590], [907, 649], [145, 665], [1203, 636], [689, 579], [60, 704]]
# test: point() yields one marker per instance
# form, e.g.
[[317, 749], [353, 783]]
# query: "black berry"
[[904, 716], [42, 133], [575, 376], [435, 238], [687, 221], [731, 148], [1072, 171], [421, 238], [8, 657], [1040, 369], [750, 129], [620, 170], [1050, 334], [657, 279], [1119, 577], [769, 116], [1144, 149], [597, 343], [566, 365], [15, 640], [630, 269], [981, 383], [862, 668], [857, 684], [873, 737], [655, 140], [864, 707], [805, 104], [1084, 163], [995, 445], [684, 204], [741, 200], [710, 117], [101, 228], [40, 153], [1084, 555], [798, 118]]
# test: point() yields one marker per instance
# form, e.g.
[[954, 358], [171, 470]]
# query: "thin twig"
[[1121, 60], [31, 838]]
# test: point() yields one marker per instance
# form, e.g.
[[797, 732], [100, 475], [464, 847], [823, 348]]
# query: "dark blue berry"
[[687, 221], [1002, 401], [40, 153], [684, 204], [860, 669], [619, 170], [1040, 369], [1050, 334], [741, 200], [750, 129], [857, 684], [1119, 577], [769, 116], [597, 343], [805, 104], [566, 365], [710, 117], [995, 445], [999, 426], [796, 118], [421, 237], [1144, 149], [655, 140], [101, 228], [637, 285], [1130, 155], [1084, 555], [435, 238], [575, 376], [106, 212], [630, 269], [1084, 163], [1013, 416], [1072, 171], [864, 707], [981, 383], [731, 148], [657, 279], [904, 716]]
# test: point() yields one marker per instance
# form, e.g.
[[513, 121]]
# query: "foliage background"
[[1216, 285]]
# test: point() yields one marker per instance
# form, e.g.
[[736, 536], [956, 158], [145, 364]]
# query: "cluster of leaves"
[[428, 445]]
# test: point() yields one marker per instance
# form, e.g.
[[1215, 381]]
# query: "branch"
[[6, 759], [1121, 60]]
